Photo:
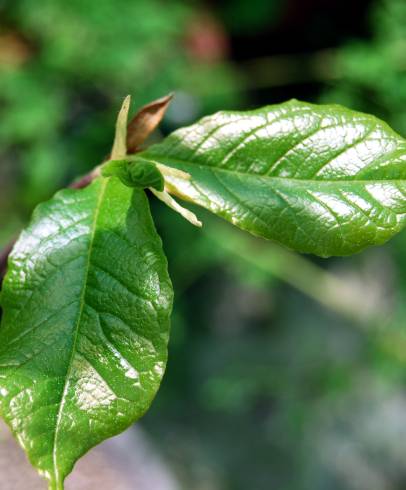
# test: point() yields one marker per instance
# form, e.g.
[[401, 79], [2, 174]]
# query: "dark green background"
[[285, 372]]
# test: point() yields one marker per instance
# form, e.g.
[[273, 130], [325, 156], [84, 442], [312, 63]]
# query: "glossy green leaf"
[[83, 340], [138, 173], [318, 179]]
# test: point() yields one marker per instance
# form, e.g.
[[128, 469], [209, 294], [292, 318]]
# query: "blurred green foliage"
[[373, 71], [284, 372], [243, 16], [65, 68]]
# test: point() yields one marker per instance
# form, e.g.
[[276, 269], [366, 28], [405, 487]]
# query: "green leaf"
[[137, 173], [83, 340], [317, 179]]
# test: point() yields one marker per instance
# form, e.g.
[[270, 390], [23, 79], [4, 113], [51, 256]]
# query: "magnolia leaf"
[[319, 179], [138, 173], [83, 341]]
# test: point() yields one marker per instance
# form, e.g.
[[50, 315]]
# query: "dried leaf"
[[145, 121]]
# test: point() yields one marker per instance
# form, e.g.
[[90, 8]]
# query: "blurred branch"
[[295, 270], [327, 289], [281, 70]]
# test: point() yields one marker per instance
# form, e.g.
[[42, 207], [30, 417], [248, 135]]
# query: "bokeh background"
[[285, 371]]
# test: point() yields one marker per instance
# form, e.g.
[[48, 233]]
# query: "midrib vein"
[[184, 164], [76, 331]]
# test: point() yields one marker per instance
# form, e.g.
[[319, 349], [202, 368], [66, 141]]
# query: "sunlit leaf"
[[83, 340], [318, 179]]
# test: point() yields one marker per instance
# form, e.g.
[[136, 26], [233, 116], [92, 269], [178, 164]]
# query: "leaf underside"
[[83, 341], [317, 179]]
